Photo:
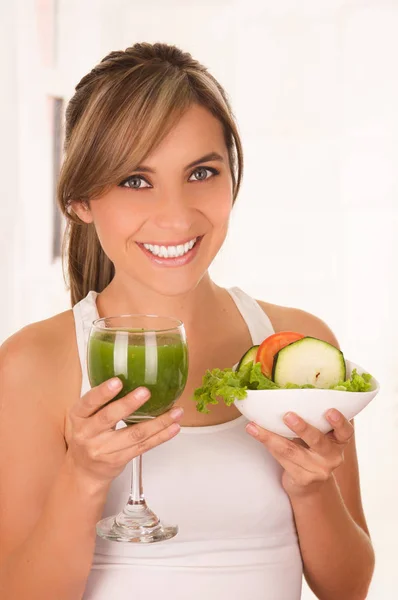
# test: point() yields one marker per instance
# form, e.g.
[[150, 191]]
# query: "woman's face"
[[163, 226]]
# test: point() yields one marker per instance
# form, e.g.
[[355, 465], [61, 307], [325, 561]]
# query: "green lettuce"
[[219, 383], [251, 377], [357, 383], [231, 385]]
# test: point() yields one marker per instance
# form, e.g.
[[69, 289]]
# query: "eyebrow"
[[206, 158]]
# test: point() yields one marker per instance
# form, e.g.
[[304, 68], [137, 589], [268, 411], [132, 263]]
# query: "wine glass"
[[141, 350]]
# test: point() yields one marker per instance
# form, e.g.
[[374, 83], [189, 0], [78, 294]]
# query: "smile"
[[170, 251], [171, 255]]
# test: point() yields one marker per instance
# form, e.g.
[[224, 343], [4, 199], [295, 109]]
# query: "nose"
[[175, 213]]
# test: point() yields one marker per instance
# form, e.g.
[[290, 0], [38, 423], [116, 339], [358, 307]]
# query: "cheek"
[[115, 225], [218, 206]]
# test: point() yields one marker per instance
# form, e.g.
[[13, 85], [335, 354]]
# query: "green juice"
[[161, 365]]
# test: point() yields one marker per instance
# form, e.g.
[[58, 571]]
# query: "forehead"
[[197, 133]]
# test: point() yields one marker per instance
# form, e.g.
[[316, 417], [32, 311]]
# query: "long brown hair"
[[120, 111]]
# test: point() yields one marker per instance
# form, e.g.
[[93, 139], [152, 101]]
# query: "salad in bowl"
[[289, 372]]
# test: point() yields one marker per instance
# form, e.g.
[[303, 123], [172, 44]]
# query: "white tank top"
[[237, 537]]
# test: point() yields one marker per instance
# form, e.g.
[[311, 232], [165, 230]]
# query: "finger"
[[343, 430], [299, 480], [283, 449], [289, 453], [139, 433], [313, 437], [155, 440], [297, 474], [107, 418], [95, 398], [300, 442]]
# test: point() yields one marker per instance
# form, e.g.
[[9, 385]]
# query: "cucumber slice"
[[249, 356], [309, 361]]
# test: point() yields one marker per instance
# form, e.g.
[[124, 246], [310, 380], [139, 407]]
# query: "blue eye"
[[200, 173], [138, 182], [135, 181]]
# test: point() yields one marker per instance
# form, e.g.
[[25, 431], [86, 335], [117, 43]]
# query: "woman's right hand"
[[99, 451]]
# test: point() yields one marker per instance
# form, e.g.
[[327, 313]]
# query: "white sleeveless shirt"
[[237, 537]]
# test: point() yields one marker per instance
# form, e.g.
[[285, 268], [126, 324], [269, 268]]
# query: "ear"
[[82, 210]]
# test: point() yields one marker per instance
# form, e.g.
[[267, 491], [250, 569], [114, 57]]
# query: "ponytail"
[[88, 266]]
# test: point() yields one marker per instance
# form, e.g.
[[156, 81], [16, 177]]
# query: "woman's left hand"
[[309, 461]]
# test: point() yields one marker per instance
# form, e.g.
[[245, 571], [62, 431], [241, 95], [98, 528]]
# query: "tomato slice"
[[272, 345]]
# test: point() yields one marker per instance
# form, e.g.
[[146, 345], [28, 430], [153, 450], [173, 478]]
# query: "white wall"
[[8, 161], [32, 286], [315, 91]]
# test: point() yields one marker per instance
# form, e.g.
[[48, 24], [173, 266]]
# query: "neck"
[[194, 308]]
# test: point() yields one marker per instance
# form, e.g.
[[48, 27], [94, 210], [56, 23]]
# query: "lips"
[[172, 261], [168, 250]]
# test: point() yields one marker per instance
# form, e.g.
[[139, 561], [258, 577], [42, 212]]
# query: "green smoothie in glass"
[[159, 365]]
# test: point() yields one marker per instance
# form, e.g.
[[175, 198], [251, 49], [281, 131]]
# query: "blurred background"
[[314, 87]]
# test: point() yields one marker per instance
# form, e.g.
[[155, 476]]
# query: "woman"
[[152, 169]]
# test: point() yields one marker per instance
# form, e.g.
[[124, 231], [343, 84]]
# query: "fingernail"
[[333, 415], [142, 393], [291, 418], [176, 413], [114, 384], [175, 428], [252, 429]]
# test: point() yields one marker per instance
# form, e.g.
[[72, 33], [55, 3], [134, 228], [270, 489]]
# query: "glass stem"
[[137, 491], [136, 513]]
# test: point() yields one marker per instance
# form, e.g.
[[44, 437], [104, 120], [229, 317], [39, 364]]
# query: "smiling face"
[[163, 226]]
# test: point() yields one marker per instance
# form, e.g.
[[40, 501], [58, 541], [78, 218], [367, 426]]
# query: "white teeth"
[[170, 251]]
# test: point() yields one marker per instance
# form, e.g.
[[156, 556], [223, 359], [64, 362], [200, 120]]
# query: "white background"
[[314, 86]]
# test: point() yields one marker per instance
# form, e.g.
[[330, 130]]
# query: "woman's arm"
[[335, 547], [337, 553], [334, 539], [55, 560], [48, 513]]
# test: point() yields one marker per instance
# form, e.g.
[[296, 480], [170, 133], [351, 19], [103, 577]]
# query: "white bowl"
[[267, 407]]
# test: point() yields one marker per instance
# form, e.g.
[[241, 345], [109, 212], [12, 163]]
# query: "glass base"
[[136, 524]]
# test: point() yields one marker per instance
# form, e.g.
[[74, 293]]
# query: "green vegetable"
[[251, 377], [230, 385], [357, 383], [226, 384], [309, 361], [248, 357]]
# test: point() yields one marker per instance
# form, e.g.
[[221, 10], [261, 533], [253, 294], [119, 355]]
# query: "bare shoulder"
[[42, 358], [294, 319], [48, 342]]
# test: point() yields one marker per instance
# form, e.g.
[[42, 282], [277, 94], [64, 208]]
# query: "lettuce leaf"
[[230, 385], [252, 377], [357, 383], [218, 383]]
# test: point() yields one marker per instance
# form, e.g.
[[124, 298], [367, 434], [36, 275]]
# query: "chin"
[[172, 287]]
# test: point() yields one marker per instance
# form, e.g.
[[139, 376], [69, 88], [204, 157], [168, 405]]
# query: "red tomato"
[[272, 345]]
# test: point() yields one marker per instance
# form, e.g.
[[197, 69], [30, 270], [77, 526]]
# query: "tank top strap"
[[257, 321], [85, 312]]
